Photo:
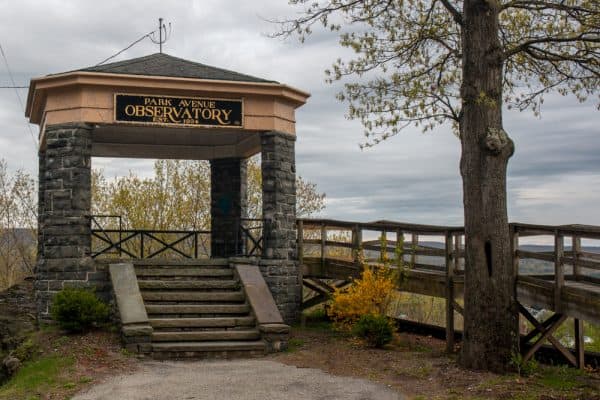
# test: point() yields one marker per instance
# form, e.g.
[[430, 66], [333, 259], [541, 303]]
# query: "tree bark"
[[491, 313]]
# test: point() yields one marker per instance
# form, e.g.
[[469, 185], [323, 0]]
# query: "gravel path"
[[234, 380]]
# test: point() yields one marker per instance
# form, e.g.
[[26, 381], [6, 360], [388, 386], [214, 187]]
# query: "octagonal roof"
[[161, 64]]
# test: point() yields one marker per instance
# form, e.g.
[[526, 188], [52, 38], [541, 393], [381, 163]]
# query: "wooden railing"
[[566, 280], [345, 240], [567, 252], [443, 247], [325, 239]]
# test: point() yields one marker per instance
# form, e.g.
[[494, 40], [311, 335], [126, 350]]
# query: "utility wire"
[[12, 79], [147, 35], [14, 87]]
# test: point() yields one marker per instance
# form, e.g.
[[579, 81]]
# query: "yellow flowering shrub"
[[371, 294]]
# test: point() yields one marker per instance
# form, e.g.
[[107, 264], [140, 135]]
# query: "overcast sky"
[[554, 176]]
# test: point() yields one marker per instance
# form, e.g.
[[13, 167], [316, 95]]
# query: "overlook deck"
[[564, 280]]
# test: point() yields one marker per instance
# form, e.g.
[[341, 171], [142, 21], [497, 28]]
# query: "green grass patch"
[[316, 314], [36, 377], [560, 378], [61, 341], [320, 325], [294, 344], [86, 379]]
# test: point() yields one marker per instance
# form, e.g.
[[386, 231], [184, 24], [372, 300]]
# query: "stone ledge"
[[135, 330], [127, 292], [68, 125], [135, 326], [258, 294], [280, 134], [274, 328]]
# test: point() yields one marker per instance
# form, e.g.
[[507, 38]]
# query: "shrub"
[[26, 350], [523, 368], [376, 330], [370, 294], [77, 310]]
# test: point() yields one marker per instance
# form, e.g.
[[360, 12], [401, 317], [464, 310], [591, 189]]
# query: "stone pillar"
[[228, 204], [40, 215], [64, 220], [279, 265]]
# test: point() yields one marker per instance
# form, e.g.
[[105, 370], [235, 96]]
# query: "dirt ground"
[[418, 367], [83, 360], [414, 366]]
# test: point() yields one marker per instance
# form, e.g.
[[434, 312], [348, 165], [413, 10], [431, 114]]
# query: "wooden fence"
[[565, 280]]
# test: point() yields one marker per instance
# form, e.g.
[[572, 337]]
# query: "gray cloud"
[[553, 176]]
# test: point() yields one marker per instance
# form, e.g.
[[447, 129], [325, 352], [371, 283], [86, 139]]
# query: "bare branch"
[[456, 15], [583, 37]]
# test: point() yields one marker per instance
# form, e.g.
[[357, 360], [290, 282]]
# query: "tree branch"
[[457, 15], [526, 45]]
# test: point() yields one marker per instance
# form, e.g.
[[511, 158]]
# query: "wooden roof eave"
[[39, 87]]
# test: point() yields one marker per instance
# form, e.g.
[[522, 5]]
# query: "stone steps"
[[198, 311], [186, 272], [202, 322], [195, 296], [208, 350], [188, 284], [201, 336]]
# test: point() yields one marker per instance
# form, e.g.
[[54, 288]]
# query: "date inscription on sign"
[[184, 111]]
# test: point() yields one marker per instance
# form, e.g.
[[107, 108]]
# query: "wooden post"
[[559, 273], [576, 250], [356, 244], [579, 344], [383, 246], [449, 295], [399, 242], [323, 246], [300, 226], [514, 249], [456, 259], [414, 244]]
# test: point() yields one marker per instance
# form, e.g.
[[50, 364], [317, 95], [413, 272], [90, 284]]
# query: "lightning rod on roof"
[[162, 29]]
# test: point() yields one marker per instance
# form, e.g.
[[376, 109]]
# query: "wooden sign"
[[181, 111]]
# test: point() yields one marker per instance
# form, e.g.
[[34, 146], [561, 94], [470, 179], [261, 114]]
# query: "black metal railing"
[[251, 235], [150, 243], [146, 243]]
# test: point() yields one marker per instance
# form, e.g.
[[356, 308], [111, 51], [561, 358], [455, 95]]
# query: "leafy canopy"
[[408, 56], [177, 196]]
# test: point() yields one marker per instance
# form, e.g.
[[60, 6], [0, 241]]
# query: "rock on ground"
[[233, 380]]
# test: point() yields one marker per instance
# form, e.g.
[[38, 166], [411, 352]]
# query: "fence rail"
[[145, 243], [150, 243], [325, 238], [561, 276]]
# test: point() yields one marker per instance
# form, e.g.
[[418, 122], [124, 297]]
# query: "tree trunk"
[[491, 316]]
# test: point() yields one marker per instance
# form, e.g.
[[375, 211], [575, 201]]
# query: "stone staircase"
[[198, 310]]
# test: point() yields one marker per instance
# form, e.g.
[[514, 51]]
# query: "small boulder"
[[11, 365]]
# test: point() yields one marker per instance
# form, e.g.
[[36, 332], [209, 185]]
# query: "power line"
[[12, 79], [147, 35], [14, 87], [161, 27]]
